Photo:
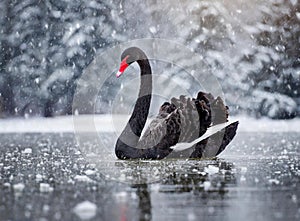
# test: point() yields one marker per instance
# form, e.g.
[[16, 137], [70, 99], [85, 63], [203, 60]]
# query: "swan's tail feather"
[[219, 141], [218, 116], [230, 132]]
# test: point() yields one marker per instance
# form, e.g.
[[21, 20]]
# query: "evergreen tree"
[[275, 80], [6, 92], [47, 45], [26, 38], [252, 48]]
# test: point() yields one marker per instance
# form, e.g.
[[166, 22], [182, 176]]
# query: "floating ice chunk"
[[27, 151], [38, 177], [284, 152], [7, 185], [6, 168], [19, 187], [45, 188], [83, 178], [89, 172], [77, 152], [46, 208], [210, 169], [274, 181], [243, 178], [294, 198], [206, 185], [191, 216], [85, 210], [202, 173], [122, 177], [243, 170]]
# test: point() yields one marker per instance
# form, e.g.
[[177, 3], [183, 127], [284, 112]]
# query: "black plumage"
[[182, 119]]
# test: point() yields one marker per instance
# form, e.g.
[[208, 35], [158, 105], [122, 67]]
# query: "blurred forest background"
[[252, 47]]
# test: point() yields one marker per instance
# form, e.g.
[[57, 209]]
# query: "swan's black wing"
[[184, 120], [216, 143], [177, 121], [157, 130]]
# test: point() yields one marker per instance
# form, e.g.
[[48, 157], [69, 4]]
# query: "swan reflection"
[[190, 177]]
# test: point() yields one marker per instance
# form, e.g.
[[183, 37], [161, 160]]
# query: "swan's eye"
[[124, 64]]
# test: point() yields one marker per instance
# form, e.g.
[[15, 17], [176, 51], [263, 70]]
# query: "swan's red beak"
[[123, 66]]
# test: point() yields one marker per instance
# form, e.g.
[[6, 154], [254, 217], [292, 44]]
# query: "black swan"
[[181, 120]]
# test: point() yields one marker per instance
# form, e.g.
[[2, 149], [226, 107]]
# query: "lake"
[[45, 176]]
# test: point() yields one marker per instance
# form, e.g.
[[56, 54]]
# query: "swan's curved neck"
[[129, 138], [140, 113], [133, 130]]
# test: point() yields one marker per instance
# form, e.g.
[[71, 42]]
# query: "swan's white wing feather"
[[210, 131]]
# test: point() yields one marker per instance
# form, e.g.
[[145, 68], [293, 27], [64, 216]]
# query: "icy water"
[[46, 177]]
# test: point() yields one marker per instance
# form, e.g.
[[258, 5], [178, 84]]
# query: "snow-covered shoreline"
[[108, 123], [249, 124]]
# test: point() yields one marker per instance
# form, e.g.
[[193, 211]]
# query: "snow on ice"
[[85, 210], [45, 188], [115, 123]]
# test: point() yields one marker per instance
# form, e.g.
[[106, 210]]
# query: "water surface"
[[44, 177]]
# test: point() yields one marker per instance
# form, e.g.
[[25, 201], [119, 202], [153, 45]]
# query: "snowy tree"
[[47, 45], [285, 41], [251, 47], [78, 29], [88, 27], [214, 29], [232, 38], [25, 38], [140, 19], [6, 93], [276, 77], [243, 54]]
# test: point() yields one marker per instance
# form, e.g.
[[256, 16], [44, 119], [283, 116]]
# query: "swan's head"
[[129, 56]]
